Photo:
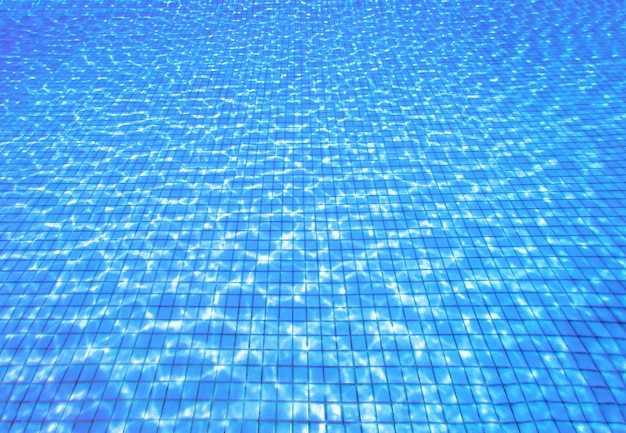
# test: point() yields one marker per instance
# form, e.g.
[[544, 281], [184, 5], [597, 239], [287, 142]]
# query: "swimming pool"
[[348, 216]]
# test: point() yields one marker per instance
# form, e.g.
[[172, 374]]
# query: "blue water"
[[350, 216]]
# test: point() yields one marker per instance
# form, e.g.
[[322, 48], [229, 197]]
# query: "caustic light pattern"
[[349, 216]]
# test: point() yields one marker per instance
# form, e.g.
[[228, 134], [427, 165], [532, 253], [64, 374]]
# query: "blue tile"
[[215, 214]]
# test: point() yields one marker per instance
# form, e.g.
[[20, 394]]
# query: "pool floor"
[[312, 216]]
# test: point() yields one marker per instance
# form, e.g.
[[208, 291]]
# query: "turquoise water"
[[351, 216]]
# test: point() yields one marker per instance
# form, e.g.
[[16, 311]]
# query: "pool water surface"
[[294, 216]]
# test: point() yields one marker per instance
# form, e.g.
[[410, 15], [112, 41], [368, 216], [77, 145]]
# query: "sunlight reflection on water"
[[359, 216]]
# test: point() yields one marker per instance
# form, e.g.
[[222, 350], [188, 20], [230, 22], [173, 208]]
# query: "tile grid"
[[359, 257]]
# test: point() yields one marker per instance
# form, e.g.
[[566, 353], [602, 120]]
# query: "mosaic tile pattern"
[[352, 216]]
